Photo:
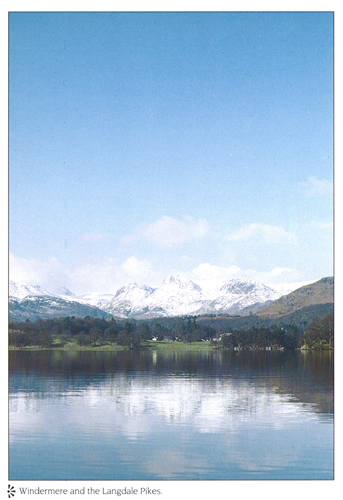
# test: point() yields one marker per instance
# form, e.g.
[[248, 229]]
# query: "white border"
[[173, 490]]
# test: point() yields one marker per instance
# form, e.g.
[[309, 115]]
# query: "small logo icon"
[[10, 491]]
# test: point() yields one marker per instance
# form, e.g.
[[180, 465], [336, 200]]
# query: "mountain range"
[[176, 296]]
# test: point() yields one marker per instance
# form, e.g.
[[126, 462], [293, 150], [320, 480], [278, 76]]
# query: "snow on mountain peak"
[[21, 290], [173, 279], [241, 296], [176, 296], [126, 298], [134, 289], [179, 282], [245, 286]]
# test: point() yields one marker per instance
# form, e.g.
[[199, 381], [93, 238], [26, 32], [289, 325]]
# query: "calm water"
[[153, 415]]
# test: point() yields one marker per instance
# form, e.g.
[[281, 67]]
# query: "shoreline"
[[165, 345]]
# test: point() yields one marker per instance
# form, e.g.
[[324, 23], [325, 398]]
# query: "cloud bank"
[[91, 275], [168, 232], [275, 276]]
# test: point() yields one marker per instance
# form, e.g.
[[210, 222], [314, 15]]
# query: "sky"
[[148, 144]]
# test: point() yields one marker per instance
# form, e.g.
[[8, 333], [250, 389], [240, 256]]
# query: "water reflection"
[[151, 415], [51, 373]]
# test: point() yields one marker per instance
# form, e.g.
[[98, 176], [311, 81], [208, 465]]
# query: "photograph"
[[170, 250]]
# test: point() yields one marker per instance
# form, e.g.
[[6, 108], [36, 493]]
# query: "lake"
[[154, 415]]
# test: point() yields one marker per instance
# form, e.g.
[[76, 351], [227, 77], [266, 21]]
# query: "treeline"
[[95, 331], [263, 338], [318, 335], [91, 331]]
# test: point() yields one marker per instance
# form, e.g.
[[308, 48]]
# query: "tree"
[[83, 339], [18, 339], [95, 333], [321, 332]]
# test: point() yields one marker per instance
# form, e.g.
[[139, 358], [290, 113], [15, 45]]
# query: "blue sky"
[[145, 144]]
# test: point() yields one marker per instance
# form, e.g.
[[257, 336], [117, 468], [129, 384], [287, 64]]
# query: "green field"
[[150, 344], [178, 346]]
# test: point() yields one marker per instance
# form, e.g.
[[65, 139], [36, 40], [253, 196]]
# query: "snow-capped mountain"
[[126, 298], [33, 302], [242, 296], [176, 296], [21, 290], [179, 296]]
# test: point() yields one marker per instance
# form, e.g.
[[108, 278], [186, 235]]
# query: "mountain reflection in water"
[[156, 415]]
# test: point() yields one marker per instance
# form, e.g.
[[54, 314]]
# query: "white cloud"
[[207, 271], [264, 232], [316, 187], [277, 276], [107, 275], [95, 275], [50, 273], [168, 232], [91, 275], [135, 268]]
